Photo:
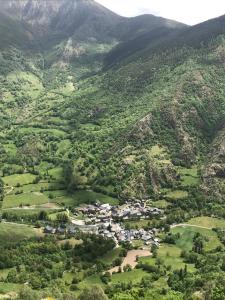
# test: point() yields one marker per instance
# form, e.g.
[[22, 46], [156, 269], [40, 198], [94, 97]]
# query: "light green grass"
[[191, 171], [109, 257], [89, 281], [82, 197], [22, 179], [9, 287], [57, 173], [208, 222], [10, 149], [170, 254], [12, 233], [185, 242], [53, 132], [35, 198], [4, 273], [137, 223], [53, 216], [29, 188], [189, 177], [63, 146], [29, 83], [160, 204], [23, 212], [135, 276], [156, 150], [178, 194]]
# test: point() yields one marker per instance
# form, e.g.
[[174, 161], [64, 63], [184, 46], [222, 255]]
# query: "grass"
[[170, 254], [137, 223], [53, 216], [73, 242], [89, 281], [10, 149], [82, 197], [189, 180], [56, 173], [109, 257], [4, 273], [37, 187], [12, 233], [138, 243], [25, 199], [178, 194], [156, 150], [22, 179], [135, 276], [185, 242], [189, 177], [53, 132], [9, 287], [207, 222], [160, 204], [23, 212]]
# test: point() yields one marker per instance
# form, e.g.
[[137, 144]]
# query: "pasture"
[[177, 194], [208, 222], [21, 179], [187, 233], [11, 233], [25, 199], [170, 256]]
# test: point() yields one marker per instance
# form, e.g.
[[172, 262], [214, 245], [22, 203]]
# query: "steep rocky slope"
[[69, 29], [138, 129]]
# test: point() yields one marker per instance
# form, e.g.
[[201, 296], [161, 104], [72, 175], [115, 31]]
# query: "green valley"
[[112, 139]]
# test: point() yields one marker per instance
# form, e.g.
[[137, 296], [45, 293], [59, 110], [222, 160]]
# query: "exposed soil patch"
[[131, 259]]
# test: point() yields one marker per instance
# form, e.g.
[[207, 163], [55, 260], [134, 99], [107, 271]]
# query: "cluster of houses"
[[119, 234], [106, 220], [61, 230], [130, 210]]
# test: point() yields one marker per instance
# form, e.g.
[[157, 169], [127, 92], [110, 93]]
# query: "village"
[[108, 220]]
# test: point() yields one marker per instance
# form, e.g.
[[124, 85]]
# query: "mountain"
[[95, 107], [80, 19], [160, 75], [68, 30]]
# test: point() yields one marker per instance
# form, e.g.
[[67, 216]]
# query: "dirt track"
[[131, 260]]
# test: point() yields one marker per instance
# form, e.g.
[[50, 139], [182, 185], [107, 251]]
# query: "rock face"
[[83, 20]]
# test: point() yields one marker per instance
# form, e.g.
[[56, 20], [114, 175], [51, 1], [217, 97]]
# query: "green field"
[[22, 179], [160, 204], [135, 276], [170, 255], [23, 212], [188, 233], [11, 233], [25, 199], [178, 194], [38, 187], [82, 197], [208, 222], [9, 287], [109, 257], [137, 223]]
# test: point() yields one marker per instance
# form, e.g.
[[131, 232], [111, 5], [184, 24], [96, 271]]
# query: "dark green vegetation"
[[106, 108]]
